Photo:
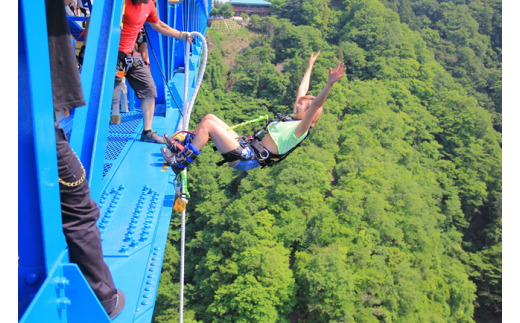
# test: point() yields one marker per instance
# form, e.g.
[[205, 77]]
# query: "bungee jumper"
[[284, 133]]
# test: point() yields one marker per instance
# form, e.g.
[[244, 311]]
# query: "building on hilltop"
[[251, 7]]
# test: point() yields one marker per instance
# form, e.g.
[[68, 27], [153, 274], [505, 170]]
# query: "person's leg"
[[115, 118], [118, 83], [219, 122], [115, 105], [115, 109], [208, 117], [141, 81], [148, 108], [79, 216], [224, 141], [124, 97], [209, 128]]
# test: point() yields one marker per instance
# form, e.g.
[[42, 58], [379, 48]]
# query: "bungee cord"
[[184, 124]]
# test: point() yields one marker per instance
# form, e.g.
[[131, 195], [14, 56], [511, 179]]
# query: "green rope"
[[247, 122], [185, 182]]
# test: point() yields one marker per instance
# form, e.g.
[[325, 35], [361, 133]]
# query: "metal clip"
[[266, 154], [129, 61]]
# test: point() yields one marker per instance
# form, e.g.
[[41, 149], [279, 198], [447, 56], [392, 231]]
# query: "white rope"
[[187, 107]]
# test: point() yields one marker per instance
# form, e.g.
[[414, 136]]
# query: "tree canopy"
[[391, 210]]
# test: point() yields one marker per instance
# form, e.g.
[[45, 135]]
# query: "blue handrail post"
[[40, 237], [47, 282]]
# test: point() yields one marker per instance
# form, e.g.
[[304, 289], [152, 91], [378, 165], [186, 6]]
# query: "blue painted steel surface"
[[75, 28], [65, 296], [84, 305], [46, 300], [120, 139], [30, 240], [40, 126], [97, 77], [156, 42], [40, 238], [75, 18], [114, 158]]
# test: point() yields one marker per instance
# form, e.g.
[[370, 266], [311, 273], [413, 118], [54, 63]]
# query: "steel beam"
[[89, 134], [40, 236]]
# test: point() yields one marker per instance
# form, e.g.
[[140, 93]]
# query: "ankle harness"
[[187, 156]]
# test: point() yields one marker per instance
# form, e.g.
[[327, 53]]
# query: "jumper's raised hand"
[[337, 73], [313, 58]]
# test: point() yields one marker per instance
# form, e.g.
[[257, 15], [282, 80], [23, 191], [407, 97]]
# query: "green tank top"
[[283, 135]]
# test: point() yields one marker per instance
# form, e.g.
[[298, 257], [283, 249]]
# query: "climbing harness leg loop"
[[125, 61]]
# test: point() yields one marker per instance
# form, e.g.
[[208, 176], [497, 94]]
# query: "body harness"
[[264, 156], [125, 61]]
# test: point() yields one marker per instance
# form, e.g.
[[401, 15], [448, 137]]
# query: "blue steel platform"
[[136, 208], [136, 203]]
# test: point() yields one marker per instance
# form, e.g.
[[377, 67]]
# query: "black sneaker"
[[152, 136], [169, 142], [171, 160]]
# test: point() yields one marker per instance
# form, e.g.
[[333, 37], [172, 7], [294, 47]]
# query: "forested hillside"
[[391, 210]]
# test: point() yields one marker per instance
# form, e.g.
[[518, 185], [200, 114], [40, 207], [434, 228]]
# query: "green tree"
[[391, 211], [226, 10]]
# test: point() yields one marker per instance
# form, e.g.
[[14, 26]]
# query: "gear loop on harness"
[[125, 61], [129, 61]]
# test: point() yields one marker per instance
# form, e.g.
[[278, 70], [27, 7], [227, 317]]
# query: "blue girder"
[[128, 178]]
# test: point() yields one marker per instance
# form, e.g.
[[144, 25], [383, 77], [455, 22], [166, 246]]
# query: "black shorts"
[[139, 78]]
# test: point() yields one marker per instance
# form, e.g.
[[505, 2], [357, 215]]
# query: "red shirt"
[[133, 21]]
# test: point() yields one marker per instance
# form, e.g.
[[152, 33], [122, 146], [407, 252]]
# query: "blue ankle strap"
[[193, 151], [193, 148]]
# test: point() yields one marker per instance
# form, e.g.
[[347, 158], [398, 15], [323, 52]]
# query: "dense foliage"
[[464, 35], [390, 212]]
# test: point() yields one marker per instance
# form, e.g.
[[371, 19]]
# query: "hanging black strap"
[[234, 155]]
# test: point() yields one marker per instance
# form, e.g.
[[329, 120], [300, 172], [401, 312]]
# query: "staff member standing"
[[79, 212], [130, 63]]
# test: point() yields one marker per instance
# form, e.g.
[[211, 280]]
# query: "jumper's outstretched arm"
[[304, 85], [334, 76]]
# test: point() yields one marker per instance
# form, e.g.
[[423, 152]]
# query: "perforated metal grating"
[[106, 168], [119, 135], [129, 122], [115, 144]]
